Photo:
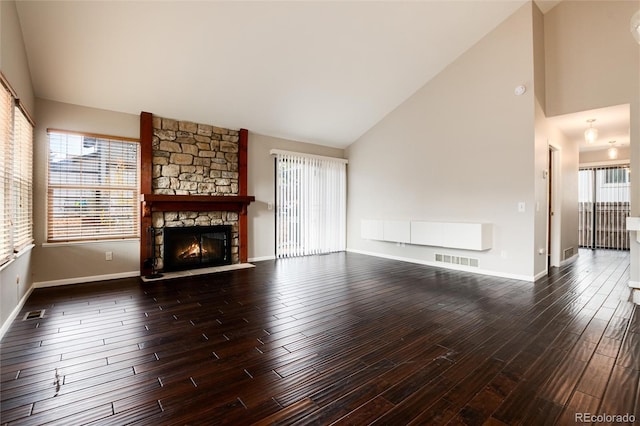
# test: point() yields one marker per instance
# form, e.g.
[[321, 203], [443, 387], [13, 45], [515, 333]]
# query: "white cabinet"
[[458, 235]]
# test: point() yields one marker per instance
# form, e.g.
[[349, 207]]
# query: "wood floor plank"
[[578, 404], [620, 395], [596, 376], [365, 413], [337, 339]]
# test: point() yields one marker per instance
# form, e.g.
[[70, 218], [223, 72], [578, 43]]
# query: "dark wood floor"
[[341, 338]]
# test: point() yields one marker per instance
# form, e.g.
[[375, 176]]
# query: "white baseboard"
[[15, 312], [540, 275], [262, 258], [80, 280], [450, 266]]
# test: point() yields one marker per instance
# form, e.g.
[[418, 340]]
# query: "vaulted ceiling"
[[318, 71]]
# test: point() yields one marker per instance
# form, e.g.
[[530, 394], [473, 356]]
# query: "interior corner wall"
[[13, 56], [261, 184], [541, 183], [565, 183], [575, 34], [72, 262], [568, 188], [461, 149], [16, 276], [541, 147]]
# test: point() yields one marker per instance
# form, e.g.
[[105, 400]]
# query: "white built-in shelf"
[[633, 224], [457, 235]]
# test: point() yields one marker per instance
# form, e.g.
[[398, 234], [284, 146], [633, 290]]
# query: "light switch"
[[521, 207]]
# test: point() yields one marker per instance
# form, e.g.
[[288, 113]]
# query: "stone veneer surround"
[[194, 159]]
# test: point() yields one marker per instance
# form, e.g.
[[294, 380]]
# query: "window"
[[22, 191], [16, 191], [616, 175], [604, 204], [93, 187], [310, 204], [6, 120]]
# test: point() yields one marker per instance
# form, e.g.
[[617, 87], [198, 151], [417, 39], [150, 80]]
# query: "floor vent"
[[457, 260], [33, 315], [567, 253]]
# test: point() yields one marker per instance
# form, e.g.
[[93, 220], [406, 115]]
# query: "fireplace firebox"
[[196, 247]]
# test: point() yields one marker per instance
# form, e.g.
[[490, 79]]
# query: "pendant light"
[[591, 134], [612, 151]]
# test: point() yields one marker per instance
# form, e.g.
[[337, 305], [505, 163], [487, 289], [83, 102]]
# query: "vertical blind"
[[93, 187], [604, 205], [310, 204]]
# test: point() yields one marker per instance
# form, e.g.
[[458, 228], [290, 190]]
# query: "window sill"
[[77, 243], [17, 255]]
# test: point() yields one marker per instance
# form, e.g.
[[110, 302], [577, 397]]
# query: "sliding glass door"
[[310, 204], [603, 207]]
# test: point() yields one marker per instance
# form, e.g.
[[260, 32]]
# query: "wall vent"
[[567, 253], [457, 260]]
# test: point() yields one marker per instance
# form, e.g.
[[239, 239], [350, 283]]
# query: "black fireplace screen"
[[196, 247]]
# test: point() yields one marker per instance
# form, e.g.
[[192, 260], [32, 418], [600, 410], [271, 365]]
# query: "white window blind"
[[93, 187], [16, 149], [22, 191], [310, 204], [6, 246]]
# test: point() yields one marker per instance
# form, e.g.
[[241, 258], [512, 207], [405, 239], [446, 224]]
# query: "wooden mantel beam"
[[202, 203]]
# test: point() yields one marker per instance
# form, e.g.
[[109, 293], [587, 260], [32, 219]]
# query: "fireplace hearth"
[[196, 247]]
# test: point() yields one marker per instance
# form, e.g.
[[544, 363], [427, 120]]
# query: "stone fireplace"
[[195, 177]]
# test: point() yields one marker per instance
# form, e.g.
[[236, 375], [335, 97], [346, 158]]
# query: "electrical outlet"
[[269, 206], [108, 255]]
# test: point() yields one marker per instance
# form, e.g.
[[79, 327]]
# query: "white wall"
[[13, 57], [565, 181], [460, 149], [602, 156], [541, 147], [261, 184]]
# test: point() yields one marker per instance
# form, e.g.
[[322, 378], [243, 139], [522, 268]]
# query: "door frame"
[[554, 205]]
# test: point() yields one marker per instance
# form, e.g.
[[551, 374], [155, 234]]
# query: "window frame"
[[56, 235]]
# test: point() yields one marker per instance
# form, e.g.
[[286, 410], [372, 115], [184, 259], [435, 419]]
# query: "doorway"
[[604, 205], [311, 204]]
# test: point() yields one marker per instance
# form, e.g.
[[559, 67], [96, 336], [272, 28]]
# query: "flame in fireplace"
[[193, 251]]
